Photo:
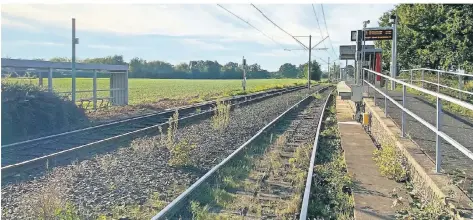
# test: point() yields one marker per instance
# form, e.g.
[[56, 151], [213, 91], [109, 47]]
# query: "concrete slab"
[[372, 192]]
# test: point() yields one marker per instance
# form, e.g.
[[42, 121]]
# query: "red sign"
[[378, 66]]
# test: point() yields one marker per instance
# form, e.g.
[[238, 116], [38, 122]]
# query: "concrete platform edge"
[[422, 168]]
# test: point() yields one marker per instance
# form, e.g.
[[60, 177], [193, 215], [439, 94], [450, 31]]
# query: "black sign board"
[[378, 35], [374, 35], [353, 35]]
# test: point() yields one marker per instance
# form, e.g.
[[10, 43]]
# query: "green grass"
[[153, 90]]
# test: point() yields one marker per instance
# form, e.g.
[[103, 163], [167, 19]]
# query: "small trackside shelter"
[[118, 76]]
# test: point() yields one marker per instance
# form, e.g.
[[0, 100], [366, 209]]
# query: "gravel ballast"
[[131, 175]]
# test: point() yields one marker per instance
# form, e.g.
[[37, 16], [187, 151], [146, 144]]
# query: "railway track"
[[26, 159], [264, 178]]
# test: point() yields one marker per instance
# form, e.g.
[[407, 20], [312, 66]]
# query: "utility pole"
[[310, 55], [244, 74], [73, 61], [394, 51], [334, 72], [363, 51], [328, 68], [310, 48]]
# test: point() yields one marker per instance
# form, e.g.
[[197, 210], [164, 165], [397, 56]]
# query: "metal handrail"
[[440, 71], [308, 183], [432, 93], [444, 86], [435, 129], [162, 214], [460, 80]]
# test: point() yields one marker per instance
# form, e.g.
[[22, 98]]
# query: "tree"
[[437, 36], [195, 69], [231, 70], [316, 72], [288, 70], [335, 70]]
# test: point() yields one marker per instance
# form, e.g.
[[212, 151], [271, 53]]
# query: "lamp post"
[[365, 23], [393, 20]]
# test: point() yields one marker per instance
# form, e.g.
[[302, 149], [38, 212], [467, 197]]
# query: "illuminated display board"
[[379, 35], [375, 35]]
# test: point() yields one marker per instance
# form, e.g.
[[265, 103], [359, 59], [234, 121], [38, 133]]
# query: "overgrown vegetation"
[[391, 162], [331, 186], [136, 211], [422, 207], [180, 150], [29, 111], [221, 117], [173, 123], [180, 153]]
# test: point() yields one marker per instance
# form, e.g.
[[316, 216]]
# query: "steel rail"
[[308, 183], [439, 71], [436, 94], [10, 170], [450, 140], [166, 211], [139, 117], [444, 86]]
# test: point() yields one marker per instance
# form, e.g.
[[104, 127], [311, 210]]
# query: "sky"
[[177, 33]]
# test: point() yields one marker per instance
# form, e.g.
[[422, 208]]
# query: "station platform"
[[372, 192]]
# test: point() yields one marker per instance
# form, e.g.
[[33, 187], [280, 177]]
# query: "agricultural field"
[[152, 95], [145, 91]]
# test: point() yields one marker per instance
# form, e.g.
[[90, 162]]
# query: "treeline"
[[437, 36], [200, 69]]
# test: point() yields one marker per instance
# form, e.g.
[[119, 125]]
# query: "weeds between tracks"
[[265, 181], [221, 117], [331, 188]]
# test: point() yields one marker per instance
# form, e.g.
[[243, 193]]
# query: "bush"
[[29, 111], [390, 162]]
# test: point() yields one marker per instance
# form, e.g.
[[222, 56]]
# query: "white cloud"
[[278, 53], [40, 43], [107, 47], [18, 24], [204, 45], [199, 20], [204, 23]]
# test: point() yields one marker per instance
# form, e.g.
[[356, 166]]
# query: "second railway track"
[[264, 178], [36, 154]]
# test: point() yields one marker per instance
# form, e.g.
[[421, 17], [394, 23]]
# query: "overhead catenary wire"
[[250, 25], [320, 29], [326, 29], [280, 27]]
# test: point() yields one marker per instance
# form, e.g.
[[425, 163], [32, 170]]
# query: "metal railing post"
[[374, 97], [438, 81], [411, 75], [403, 117], [438, 153], [50, 80], [385, 106], [422, 79], [94, 93], [40, 78], [460, 86]]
